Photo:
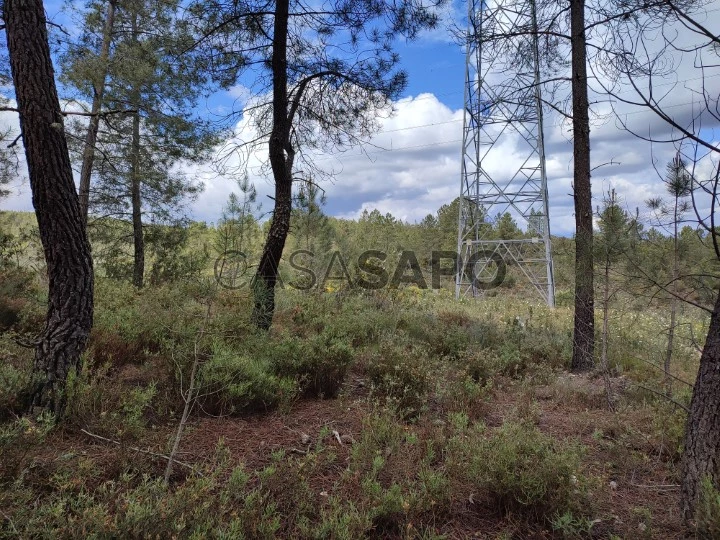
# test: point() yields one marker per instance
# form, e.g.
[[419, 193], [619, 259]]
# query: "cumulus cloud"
[[412, 165]]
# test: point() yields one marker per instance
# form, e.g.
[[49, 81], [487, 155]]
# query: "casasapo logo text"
[[486, 269]]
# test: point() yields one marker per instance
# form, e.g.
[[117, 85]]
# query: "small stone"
[[642, 527], [305, 438], [613, 484], [323, 493]]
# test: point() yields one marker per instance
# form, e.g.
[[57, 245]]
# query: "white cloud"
[[412, 167]]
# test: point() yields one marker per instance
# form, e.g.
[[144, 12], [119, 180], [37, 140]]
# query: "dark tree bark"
[[94, 124], [702, 433], [282, 156], [584, 326], [62, 232], [136, 202], [135, 182]]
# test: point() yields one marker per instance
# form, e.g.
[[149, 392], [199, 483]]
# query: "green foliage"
[[170, 262], [16, 289], [708, 510], [401, 371], [14, 385], [96, 401], [570, 526], [523, 471], [238, 227], [10, 249], [18, 438], [231, 382], [618, 231], [319, 363], [447, 334]]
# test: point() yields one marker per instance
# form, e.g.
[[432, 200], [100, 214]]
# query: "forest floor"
[[633, 488], [448, 420]]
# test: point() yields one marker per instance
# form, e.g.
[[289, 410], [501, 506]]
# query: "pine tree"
[[670, 214], [327, 73], [616, 234], [64, 240], [235, 234], [238, 224], [153, 92]]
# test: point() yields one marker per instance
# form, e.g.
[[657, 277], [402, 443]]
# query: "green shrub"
[[519, 469], [478, 364], [155, 320], [15, 374], [360, 324], [95, 401], [341, 520], [318, 363], [401, 371], [233, 382], [570, 526], [17, 438], [16, 290]]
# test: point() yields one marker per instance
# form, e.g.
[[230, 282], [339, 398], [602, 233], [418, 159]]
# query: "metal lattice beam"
[[503, 106]]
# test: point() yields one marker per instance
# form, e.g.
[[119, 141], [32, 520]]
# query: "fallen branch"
[[683, 407], [135, 449]]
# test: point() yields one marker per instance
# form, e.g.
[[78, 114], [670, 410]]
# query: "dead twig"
[[683, 407], [663, 487], [148, 452], [190, 397]]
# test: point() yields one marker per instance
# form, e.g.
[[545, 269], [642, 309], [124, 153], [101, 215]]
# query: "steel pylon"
[[503, 113]]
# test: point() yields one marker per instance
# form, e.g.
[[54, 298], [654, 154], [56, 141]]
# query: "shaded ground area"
[[630, 476]]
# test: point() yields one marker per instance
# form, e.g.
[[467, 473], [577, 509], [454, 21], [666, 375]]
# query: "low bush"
[[318, 363], [18, 438], [233, 382], [17, 309], [518, 469], [15, 370], [97, 402], [401, 372]]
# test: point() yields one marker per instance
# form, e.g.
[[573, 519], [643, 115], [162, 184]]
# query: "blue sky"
[[412, 166]]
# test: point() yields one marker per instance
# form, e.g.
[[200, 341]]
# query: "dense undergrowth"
[[422, 373]]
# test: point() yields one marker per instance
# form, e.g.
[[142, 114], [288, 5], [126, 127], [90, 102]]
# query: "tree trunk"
[[63, 236], [604, 361], [94, 125], [281, 160], [673, 306], [584, 326], [135, 181], [702, 433], [138, 239]]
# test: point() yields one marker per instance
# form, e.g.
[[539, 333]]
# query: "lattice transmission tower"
[[503, 125]]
